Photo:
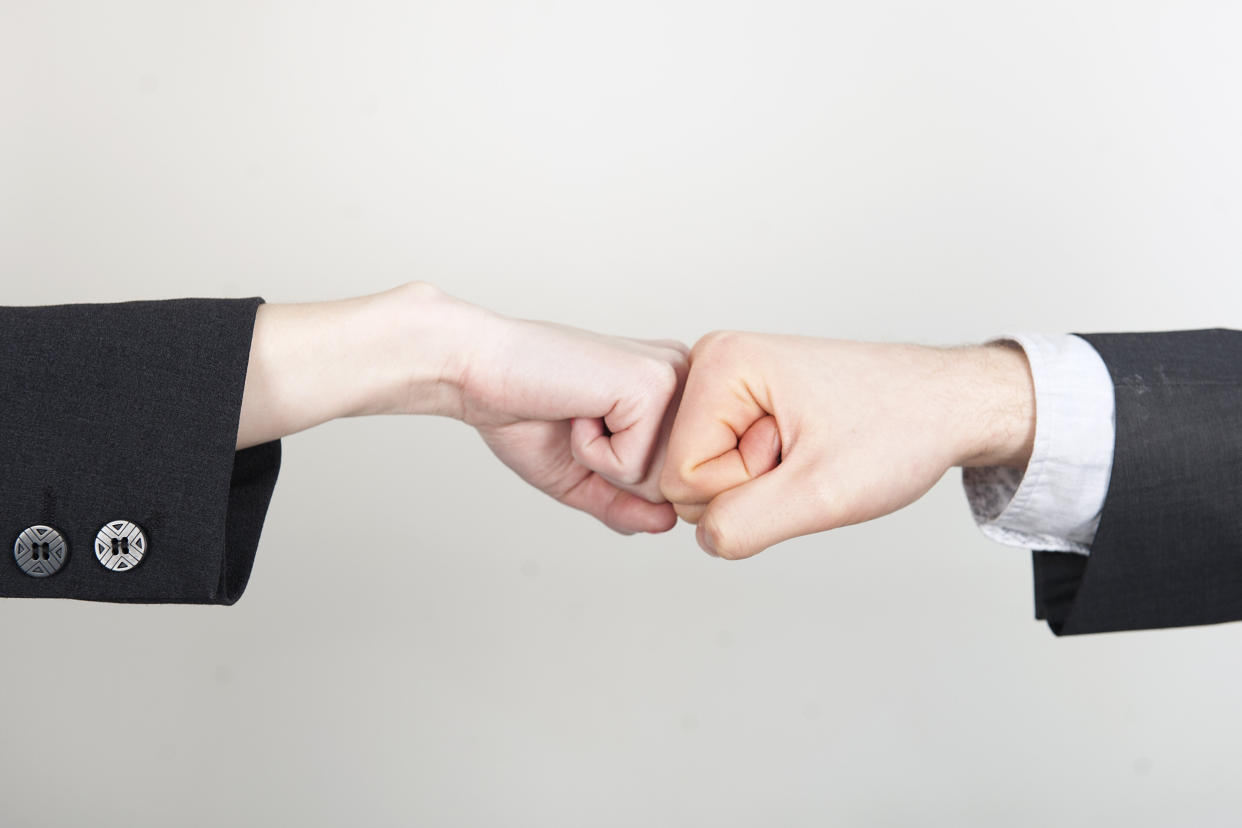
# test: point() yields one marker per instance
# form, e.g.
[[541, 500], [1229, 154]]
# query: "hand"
[[781, 436], [582, 416]]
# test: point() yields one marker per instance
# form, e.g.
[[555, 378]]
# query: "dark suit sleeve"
[[1168, 551], [129, 411]]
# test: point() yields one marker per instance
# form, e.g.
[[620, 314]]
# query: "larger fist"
[[780, 436]]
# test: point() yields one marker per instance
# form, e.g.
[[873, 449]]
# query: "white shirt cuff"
[[1055, 505]]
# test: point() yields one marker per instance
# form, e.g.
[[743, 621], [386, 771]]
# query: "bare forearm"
[[395, 352], [995, 405]]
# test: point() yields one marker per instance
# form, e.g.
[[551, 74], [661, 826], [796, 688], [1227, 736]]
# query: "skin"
[[782, 436], [581, 416], [767, 438]]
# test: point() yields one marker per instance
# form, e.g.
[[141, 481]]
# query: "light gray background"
[[880, 170]]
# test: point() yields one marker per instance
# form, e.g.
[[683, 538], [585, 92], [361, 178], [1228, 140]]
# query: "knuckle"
[[673, 485], [680, 363], [827, 503], [710, 343], [691, 480], [631, 473], [719, 348], [648, 488], [674, 345], [726, 542], [690, 513], [663, 378]]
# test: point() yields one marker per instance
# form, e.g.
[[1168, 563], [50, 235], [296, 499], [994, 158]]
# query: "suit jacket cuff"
[[1168, 550], [129, 411]]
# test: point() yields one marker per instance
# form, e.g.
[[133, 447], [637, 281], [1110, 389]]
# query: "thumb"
[[760, 446], [758, 452], [785, 503]]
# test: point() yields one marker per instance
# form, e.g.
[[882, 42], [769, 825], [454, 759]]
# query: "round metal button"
[[40, 551], [120, 545]]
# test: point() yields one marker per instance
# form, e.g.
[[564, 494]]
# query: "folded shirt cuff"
[[1054, 505]]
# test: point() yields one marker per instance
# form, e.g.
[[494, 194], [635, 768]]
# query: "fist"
[[582, 416], [781, 436]]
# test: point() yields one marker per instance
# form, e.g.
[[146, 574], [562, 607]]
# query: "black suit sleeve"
[[1168, 551], [129, 411]]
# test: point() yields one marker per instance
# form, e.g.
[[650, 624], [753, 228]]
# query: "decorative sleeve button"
[[40, 551], [120, 545]]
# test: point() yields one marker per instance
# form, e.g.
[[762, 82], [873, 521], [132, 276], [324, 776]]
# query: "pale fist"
[[582, 416]]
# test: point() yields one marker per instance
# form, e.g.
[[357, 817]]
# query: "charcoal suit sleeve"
[[129, 411], [1168, 550]]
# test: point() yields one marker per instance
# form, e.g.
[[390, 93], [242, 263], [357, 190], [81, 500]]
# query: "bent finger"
[[617, 509]]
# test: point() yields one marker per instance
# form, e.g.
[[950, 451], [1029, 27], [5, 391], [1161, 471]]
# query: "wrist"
[[995, 405], [427, 342]]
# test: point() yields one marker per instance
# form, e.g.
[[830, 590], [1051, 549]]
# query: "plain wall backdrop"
[[884, 170]]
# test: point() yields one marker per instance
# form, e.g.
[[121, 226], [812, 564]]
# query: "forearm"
[[990, 397], [402, 351]]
